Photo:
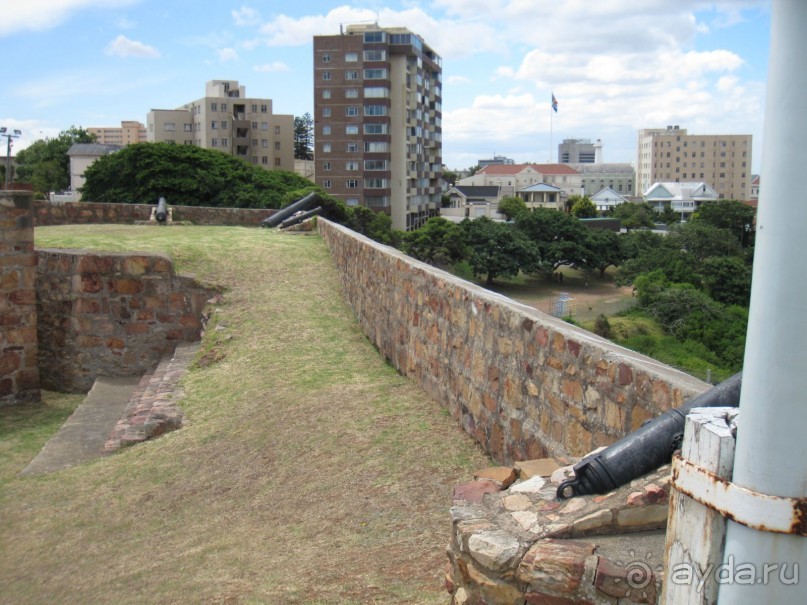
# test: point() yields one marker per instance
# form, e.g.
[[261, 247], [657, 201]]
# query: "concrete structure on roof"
[[683, 198], [378, 121], [226, 120], [580, 151], [672, 155], [128, 133], [82, 155], [595, 177], [515, 177], [607, 198]]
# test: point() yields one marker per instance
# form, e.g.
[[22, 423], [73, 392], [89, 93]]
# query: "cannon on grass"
[[300, 205], [296, 219], [645, 449]]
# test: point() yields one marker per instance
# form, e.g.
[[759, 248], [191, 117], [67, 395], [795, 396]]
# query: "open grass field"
[[309, 472]]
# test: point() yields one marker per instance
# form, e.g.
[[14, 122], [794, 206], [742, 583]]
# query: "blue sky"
[[615, 66]]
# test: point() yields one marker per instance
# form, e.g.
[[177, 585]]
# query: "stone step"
[[81, 438]]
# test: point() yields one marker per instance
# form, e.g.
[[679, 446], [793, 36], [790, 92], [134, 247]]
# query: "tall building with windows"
[[378, 130], [670, 154], [580, 151], [227, 120], [129, 132]]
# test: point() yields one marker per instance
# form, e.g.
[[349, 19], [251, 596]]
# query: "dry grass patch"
[[309, 472]]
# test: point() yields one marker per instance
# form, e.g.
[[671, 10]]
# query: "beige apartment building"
[[227, 120], [130, 132], [513, 178], [672, 155], [378, 121]]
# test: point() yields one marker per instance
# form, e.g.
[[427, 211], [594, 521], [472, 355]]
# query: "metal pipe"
[[278, 217], [645, 449], [771, 452]]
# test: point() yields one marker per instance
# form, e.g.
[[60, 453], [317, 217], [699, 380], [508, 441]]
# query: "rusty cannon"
[[645, 449], [300, 205]]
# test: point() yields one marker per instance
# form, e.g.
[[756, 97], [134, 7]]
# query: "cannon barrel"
[[299, 218], [162, 210], [645, 449], [284, 213]]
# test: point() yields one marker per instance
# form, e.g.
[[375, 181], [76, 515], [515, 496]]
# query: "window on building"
[[214, 142], [375, 129], [326, 165], [375, 183], [351, 110], [326, 94], [352, 129], [376, 147], [326, 183], [351, 93], [265, 143], [376, 92], [254, 108], [326, 75], [171, 126], [277, 161], [214, 107], [224, 106], [326, 112], [352, 147], [351, 165], [224, 124], [375, 55], [264, 160], [375, 164], [375, 74], [214, 125], [326, 130], [187, 127], [375, 110], [326, 148], [326, 58], [225, 142], [277, 129], [264, 125], [351, 57], [351, 75], [352, 183], [277, 145], [264, 108], [370, 37]]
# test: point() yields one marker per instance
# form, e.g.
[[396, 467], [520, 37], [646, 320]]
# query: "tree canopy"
[[582, 206], [498, 249], [304, 137], [45, 164], [190, 176], [511, 206]]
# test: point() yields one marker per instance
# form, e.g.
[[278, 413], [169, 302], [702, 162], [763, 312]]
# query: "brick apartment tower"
[[19, 371], [378, 121]]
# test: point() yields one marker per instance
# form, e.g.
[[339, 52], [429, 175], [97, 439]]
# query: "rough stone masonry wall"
[[19, 373], [524, 384], [110, 314], [48, 213]]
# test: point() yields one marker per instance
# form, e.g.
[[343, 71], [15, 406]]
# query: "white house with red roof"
[[512, 178]]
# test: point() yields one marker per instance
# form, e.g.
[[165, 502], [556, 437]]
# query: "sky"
[[614, 66]]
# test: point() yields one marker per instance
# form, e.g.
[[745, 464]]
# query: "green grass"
[[309, 471]]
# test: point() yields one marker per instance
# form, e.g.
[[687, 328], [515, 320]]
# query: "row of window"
[[354, 129], [694, 143], [374, 73], [216, 106], [370, 92], [368, 165], [352, 57], [354, 183], [369, 147], [353, 111]]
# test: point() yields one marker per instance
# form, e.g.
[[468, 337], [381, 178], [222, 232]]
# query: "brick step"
[[152, 409]]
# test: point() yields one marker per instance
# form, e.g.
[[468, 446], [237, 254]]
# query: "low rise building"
[[596, 177], [128, 133], [515, 177], [683, 198]]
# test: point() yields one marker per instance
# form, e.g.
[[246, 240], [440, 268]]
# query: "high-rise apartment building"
[[129, 132], [227, 120], [378, 131], [580, 151], [672, 155]]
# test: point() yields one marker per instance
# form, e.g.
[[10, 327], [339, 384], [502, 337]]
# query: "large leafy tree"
[[605, 250], [188, 175], [304, 137], [582, 206], [731, 215], [560, 238], [45, 164], [498, 249], [633, 216], [438, 242], [512, 206]]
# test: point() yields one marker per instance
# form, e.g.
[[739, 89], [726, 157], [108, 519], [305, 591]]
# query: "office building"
[[580, 151], [227, 120], [672, 155], [377, 116]]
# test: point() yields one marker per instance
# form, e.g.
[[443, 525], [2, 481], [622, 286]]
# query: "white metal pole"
[[771, 454]]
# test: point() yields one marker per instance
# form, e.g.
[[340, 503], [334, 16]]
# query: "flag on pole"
[[554, 103]]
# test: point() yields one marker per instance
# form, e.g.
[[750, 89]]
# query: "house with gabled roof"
[[543, 195], [683, 198], [471, 201], [607, 198]]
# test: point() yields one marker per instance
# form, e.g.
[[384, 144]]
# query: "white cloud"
[[124, 47], [458, 80], [276, 67], [39, 15], [246, 16], [227, 54]]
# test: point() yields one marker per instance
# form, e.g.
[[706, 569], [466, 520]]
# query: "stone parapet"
[[48, 213], [523, 383], [110, 314], [19, 373]]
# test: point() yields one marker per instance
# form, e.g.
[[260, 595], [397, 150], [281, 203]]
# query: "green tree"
[[510, 207], [438, 242], [727, 279], [736, 217], [188, 175], [634, 216], [582, 206], [450, 177], [498, 249], [45, 164], [703, 240], [304, 137], [605, 250], [560, 238]]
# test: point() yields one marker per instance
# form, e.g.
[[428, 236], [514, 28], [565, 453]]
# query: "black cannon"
[[645, 449], [281, 215], [300, 217], [161, 214]]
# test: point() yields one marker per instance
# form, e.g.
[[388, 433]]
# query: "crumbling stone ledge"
[[519, 544]]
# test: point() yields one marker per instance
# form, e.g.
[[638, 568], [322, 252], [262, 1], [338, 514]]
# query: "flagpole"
[[551, 126]]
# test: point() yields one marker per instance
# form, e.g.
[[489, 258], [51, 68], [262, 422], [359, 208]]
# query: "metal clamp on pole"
[[776, 514]]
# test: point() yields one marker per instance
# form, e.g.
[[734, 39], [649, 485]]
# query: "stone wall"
[[110, 314], [19, 373], [70, 213], [523, 383]]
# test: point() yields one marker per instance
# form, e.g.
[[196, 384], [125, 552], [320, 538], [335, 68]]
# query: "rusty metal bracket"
[[759, 511]]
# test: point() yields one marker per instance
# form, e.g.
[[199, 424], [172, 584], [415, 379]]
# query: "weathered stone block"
[[554, 565]]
